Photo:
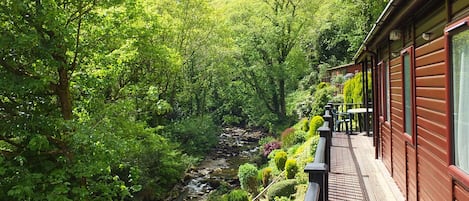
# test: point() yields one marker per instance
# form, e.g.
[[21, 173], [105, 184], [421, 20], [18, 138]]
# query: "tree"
[[270, 30]]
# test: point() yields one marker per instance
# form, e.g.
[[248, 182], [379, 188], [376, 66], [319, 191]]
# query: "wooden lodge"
[[418, 53]]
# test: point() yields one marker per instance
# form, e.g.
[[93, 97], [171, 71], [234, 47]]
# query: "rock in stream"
[[236, 146]]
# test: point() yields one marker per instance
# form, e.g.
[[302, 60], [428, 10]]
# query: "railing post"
[[318, 174], [331, 113], [325, 132], [328, 117]]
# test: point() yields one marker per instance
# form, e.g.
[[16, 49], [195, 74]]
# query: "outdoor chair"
[[341, 119]]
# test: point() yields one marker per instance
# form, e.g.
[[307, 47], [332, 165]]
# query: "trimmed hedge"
[[282, 188], [314, 124], [280, 159], [247, 174], [291, 168]]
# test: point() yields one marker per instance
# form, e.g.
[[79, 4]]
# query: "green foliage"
[[321, 98], [302, 125], [339, 98], [353, 88], [291, 168], [238, 195], [282, 199], [288, 137], [197, 135], [280, 159], [247, 174], [322, 85], [266, 176], [338, 79], [282, 188], [110, 100], [296, 103], [315, 123]]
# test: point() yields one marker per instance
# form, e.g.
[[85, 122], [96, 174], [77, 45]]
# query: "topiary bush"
[[280, 159], [266, 176], [238, 195], [314, 124], [282, 188], [291, 168], [269, 147], [247, 174]]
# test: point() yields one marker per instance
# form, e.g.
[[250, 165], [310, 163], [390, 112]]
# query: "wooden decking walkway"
[[355, 174]]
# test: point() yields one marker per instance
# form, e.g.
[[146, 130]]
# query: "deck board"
[[355, 174]]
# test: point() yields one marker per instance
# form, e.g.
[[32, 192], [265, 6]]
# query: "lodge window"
[[407, 64], [459, 69]]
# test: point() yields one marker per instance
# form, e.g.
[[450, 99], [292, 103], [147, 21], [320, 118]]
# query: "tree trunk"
[[63, 91], [283, 106]]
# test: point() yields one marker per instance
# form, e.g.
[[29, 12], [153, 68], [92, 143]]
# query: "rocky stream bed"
[[236, 146]]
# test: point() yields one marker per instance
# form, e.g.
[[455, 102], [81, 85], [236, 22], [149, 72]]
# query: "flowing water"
[[236, 146]]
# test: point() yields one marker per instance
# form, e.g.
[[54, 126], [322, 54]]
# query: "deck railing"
[[318, 170]]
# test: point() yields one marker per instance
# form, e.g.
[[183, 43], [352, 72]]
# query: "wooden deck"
[[355, 174]]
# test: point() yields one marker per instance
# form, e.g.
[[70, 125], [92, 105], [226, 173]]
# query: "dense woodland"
[[115, 99]]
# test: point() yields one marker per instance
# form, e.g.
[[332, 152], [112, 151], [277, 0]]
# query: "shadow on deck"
[[355, 174]]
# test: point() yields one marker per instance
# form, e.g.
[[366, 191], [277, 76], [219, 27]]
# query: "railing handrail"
[[312, 193], [320, 156], [319, 168]]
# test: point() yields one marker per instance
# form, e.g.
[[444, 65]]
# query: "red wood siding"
[[432, 130], [398, 143], [386, 146], [411, 173], [460, 194]]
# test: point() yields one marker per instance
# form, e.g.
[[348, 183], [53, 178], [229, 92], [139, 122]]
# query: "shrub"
[[266, 140], [314, 124], [288, 137], [282, 188], [304, 124], [282, 199], [266, 176], [321, 98], [322, 85], [280, 159], [353, 88], [269, 147], [247, 174], [291, 168], [197, 135], [238, 195]]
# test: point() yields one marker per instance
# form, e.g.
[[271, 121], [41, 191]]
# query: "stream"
[[236, 146]]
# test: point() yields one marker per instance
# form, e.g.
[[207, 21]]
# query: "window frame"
[[384, 85], [409, 137], [387, 91], [451, 29]]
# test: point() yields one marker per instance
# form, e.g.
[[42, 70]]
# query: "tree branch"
[[2, 138], [73, 65], [17, 71]]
